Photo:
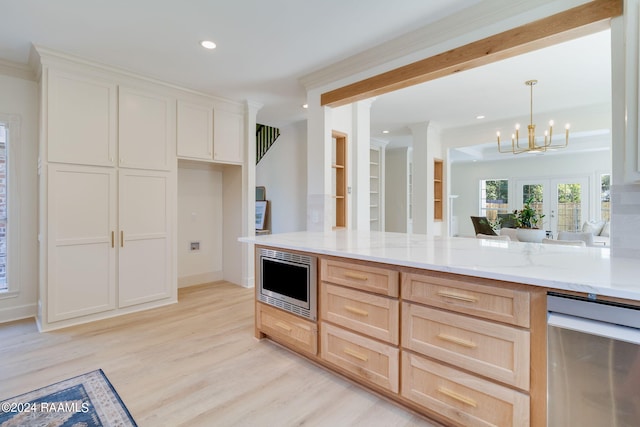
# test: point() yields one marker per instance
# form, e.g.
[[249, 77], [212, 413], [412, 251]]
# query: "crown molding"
[[15, 69]]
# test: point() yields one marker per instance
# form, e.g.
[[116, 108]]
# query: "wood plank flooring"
[[195, 363]]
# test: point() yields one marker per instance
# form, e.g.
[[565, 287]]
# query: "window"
[[494, 198], [605, 195], [3, 207]]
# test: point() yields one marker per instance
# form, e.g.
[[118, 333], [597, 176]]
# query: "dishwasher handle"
[[594, 327]]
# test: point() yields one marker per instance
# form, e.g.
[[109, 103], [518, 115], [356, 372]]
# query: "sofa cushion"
[[605, 230], [594, 227]]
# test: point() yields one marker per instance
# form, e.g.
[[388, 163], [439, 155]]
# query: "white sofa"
[[600, 231]]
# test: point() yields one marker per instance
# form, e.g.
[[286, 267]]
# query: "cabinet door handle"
[[113, 233], [121, 239], [459, 297], [356, 276], [355, 354], [283, 326], [355, 310], [460, 398], [456, 340]]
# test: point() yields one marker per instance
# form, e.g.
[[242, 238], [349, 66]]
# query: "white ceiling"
[[265, 47]]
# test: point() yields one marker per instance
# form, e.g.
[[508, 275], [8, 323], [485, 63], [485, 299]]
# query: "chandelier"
[[532, 146]]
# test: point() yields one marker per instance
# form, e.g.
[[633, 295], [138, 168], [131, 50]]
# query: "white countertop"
[[589, 270]]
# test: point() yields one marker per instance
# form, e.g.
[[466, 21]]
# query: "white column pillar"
[[360, 162], [426, 147], [319, 199], [248, 190]]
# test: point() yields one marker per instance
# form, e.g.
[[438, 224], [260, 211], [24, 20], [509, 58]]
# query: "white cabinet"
[[210, 131], [195, 130], [228, 136], [145, 236], [81, 254], [80, 119], [146, 129], [86, 234]]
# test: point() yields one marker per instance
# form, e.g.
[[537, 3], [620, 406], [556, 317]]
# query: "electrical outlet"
[[195, 246]]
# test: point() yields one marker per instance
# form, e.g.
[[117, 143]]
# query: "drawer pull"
[[460, 398], [456, 340], [459, 297], [283, 326], [355, 354], [355, 310], [356, 276]]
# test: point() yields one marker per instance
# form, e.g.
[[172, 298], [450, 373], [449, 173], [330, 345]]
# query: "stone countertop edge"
[[578, 269]]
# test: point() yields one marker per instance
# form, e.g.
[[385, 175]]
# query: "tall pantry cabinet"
[[108, 188]]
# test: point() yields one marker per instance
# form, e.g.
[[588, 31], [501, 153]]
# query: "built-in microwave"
[[288, 281]]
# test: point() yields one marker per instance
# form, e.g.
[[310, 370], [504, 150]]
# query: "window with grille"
[[494, 198]]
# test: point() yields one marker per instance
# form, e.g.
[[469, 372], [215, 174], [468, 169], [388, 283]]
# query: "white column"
[[426, 147], [360, 163], [248, 190], [319, 213]]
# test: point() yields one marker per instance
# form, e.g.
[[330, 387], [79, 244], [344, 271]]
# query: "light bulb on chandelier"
[[532, 146]]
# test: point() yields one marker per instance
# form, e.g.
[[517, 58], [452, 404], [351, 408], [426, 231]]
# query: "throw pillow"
[[605, 230], [594, 227]]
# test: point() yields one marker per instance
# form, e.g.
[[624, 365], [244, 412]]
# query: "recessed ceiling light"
[[305, 105], [208, 44], [385, 131], [480, 117]]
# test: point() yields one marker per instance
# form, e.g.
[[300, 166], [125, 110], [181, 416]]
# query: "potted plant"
[[527, 220]]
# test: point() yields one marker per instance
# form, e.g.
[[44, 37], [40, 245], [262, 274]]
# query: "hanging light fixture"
[[532, 146]]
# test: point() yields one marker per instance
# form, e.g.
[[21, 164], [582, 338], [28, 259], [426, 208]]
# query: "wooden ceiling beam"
[[570, 24]]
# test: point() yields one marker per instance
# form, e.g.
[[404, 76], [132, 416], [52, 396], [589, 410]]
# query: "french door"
[[564, 202]]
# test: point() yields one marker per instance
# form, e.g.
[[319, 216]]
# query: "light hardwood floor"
[[195, 363]]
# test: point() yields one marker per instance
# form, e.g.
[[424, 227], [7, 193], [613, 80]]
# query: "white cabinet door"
[[81, 119], [146, 125], [81, 211], [195, 131], [228, 136], [145, 236]]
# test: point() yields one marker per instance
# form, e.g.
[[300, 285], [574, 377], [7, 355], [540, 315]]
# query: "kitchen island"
[[452, 328]]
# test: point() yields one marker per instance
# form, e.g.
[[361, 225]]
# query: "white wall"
[[20, 100], [465, 178], [199, 220], [283, 173]]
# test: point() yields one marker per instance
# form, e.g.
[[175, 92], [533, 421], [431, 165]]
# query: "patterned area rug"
[[84, 401]]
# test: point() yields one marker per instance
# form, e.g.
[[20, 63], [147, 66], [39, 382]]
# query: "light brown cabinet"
[[455, 348], [294, 331]]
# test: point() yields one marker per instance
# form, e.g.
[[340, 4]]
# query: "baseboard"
[[198, 279], [17, 313]]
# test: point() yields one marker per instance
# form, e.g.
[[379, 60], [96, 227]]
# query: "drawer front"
[[373, 315], [359, 276], [369, 360], [490, 302], [287, 328], [489, 349], [463, 398]]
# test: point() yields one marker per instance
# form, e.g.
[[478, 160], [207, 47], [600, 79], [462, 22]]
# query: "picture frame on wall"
[[261, 214]]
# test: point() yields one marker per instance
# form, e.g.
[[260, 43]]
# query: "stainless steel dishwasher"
[[593, 372]]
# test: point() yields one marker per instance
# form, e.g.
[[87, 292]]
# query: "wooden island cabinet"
[[462, 350]]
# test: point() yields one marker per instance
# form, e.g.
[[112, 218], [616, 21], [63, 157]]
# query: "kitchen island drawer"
[[465, 399], [493, 350], [373, 315], [287, 328], [369, 360], [365, 277], [474, 296]]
